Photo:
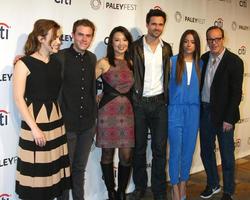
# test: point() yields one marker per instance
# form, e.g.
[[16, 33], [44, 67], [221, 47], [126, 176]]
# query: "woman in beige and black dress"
[[43, 166]]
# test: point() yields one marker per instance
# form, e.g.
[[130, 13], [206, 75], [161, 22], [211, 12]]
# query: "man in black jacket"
[[221, 90], [150, 56]]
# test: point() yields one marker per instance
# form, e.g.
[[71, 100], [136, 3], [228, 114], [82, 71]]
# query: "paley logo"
[[5, 77], [3, 117], [242, 50], [96, 4], [8, 161], [237, 142], [179, 17], [66, 2], [5, 196], [219, 22], [243, 120], [243, 3], [66, 38], [4, 31], [235, 26], [226, 1]]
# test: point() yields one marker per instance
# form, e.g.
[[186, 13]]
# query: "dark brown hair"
[[83, 22], [155, 13], [41, 28], [180, 65]]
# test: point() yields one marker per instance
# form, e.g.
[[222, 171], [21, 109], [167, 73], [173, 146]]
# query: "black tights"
[[125, 156]]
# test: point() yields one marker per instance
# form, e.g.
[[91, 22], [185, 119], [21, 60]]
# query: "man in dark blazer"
[[221, 90]]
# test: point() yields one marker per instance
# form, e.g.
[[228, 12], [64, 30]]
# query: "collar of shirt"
[[145, 44], [218, 58], [75, 53]]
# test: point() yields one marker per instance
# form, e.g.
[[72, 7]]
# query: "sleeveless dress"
[[115, 124], [43, 173]]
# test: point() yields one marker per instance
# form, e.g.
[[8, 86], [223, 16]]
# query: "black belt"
[[155, 98], [205, 105]]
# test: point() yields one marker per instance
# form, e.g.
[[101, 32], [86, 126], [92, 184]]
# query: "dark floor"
[[197, 183]]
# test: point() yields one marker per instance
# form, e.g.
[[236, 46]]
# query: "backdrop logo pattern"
[[234, 26], [226, 1], [243, 3], [242, 50], [66, 38], [247, 75], [65, 2], [237, 143], [5, 196], [244, 120], [4, 117], [219, 22], [5, 77], [4, 31], [8, 161], [178, 18], [95, 4]]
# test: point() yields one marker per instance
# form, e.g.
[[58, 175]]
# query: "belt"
[[205, 105], [155, 98]]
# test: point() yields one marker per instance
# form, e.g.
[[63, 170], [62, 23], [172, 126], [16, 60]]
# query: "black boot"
[[108, 176], [123, 178]]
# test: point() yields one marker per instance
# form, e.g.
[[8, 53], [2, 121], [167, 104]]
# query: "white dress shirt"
[[153, 77]]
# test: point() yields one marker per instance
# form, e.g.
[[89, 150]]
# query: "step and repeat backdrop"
[[16, 21]]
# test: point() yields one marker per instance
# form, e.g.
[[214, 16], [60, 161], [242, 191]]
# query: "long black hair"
[[110, 48]]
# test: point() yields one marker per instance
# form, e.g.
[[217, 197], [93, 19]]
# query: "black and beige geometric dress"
[[43, 173]]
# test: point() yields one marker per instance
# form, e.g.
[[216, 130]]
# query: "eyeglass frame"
[[216, 40]]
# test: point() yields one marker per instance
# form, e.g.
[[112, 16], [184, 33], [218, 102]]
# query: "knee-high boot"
[[108, 176], [123, 178]]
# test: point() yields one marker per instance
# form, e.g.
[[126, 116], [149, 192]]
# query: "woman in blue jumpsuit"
[[183, 111]]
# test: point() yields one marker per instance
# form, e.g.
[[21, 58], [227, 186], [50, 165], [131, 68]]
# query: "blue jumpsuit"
[[183, 122]]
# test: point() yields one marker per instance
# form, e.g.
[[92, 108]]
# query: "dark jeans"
[[79, 145], [152, 115], [208, 133]]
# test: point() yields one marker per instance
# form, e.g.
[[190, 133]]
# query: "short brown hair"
[[83, 22]]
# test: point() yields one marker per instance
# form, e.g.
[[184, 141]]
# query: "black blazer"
[[226, 88]]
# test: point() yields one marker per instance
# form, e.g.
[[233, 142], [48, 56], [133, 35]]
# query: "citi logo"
[[243, 3], [5, 196], [3, 117], [4, 31], [219, 22], [242, 50], [65, 2]]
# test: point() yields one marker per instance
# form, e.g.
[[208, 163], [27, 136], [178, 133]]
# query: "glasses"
[[216, 40]]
